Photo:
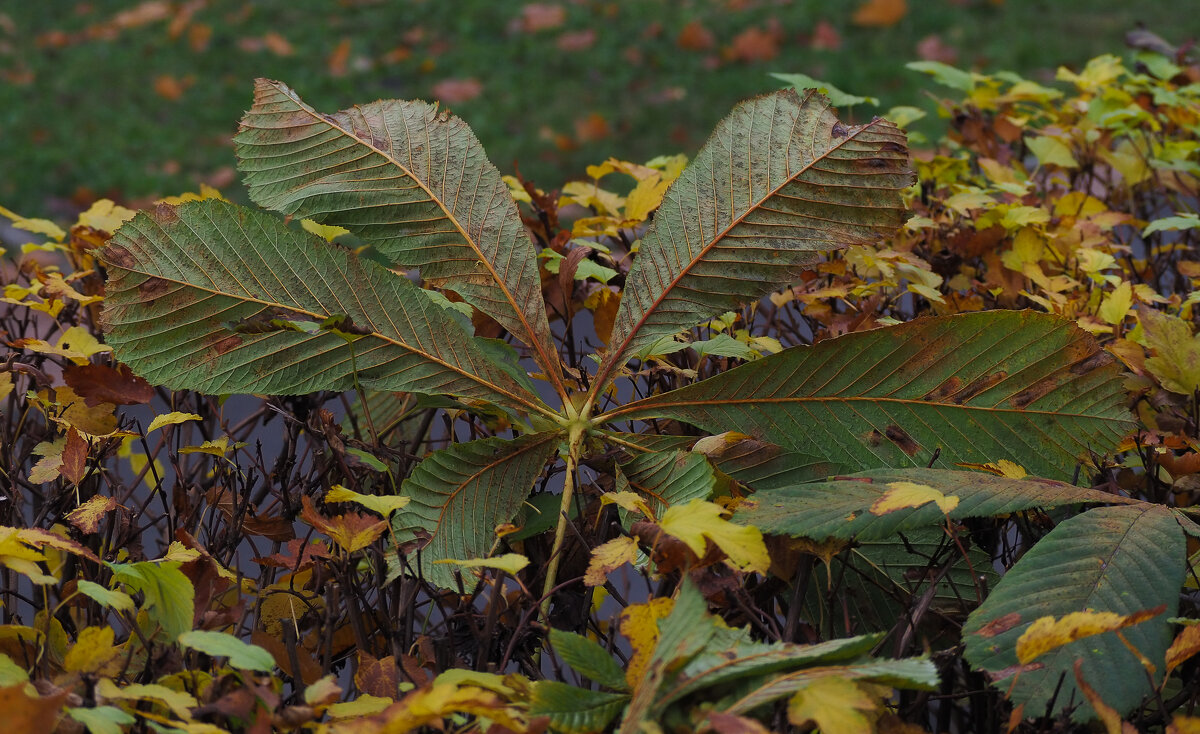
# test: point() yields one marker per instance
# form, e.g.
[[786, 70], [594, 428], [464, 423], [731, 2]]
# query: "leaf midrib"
[[642, 407], [518, 399], [550, 366]]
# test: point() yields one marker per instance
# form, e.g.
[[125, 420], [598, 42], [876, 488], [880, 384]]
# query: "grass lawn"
[[133, 99]]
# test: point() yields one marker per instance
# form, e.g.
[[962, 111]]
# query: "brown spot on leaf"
[[840, 130], [979, 385], [166, 214], [153, 287], [117, 255], [1034, 392], [900, 437], [228, 344], [1095, 361], [874, 438], [1000, 625], [944, 390]]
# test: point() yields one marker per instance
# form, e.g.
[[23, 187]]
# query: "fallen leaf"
[[576, 40], [1049, 633], [277, 44], [455, 91], [170, 87], [933, 48], [754, 45], [908, 494], [542, 16], [590, 128], [880, 13], [337, 62], [825, 37], [695, 37]]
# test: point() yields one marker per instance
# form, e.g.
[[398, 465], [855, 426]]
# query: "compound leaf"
[[217, 298]]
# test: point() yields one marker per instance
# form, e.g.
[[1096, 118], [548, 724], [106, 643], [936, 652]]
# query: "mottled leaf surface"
[[1112, 559], [779, 181], [193, 291], [410, 179], [1028, 387]]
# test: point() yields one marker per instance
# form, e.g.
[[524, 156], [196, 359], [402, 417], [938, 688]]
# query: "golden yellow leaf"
[[603, 303], [105, 216], [836, 705], [609, 556], [639, 623], [699, 521], [909, 494], [1184, 725], [1048, 633], [170, 419], [1185, 645], [179, 702], [628, 501], [383, 504], [1176, 360], [325, 231], [206, 192], [88, 515], [6, 385], [76, 344], [644, 198], [1116, 304], [37, 226], [94, 652], [509, 562]]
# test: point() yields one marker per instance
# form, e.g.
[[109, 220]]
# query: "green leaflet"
[[194, 292], [1112, 559], [575, 710], [461, 493], [585, 656], [840, 507], [411, 180], [779, 181], [1029, 387]]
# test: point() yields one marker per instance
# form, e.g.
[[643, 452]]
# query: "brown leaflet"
[[99, 383], [74, 457]]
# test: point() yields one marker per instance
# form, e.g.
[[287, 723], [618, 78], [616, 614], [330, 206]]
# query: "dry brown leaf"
[[455, 91]]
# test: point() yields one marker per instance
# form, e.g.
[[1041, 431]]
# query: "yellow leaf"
[[509, 562], [206, 192], [1099, 73], [6, 385], [644, 198], [105, 216], [93, 652], [179, 702], [603, 303], [1176, 360], [517, 191], [326, 231], [16, 554], [628, 501], [836, 705], [1184, 725], [364, 705], [47, 468], [216, 447], [1051, 151], [592, 196], [639, 623], [384, 505], [1048, 633], [1186, 644], [170, 419], [1078, 204], [68, 409], [909, 494], [1116, 304], [76, 344], [698, 521], [609, 556], [56, 288], [37, 226]]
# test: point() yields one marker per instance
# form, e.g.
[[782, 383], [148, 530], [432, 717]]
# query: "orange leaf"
[[352, 531], [695, 37], [1186, 644], [25, 713], [454, 91], [337, 60], [880, 13]]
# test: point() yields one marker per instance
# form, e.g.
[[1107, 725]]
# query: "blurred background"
[[132, 100]]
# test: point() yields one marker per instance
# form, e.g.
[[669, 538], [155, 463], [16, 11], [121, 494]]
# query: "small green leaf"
[[102, 719], [241, 655], [1185, 220], [105, 597], [945, 74], [587, 657], [837, 97], [575, 710]]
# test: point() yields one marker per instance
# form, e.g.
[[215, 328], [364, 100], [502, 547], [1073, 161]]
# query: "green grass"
[[84, 119]]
